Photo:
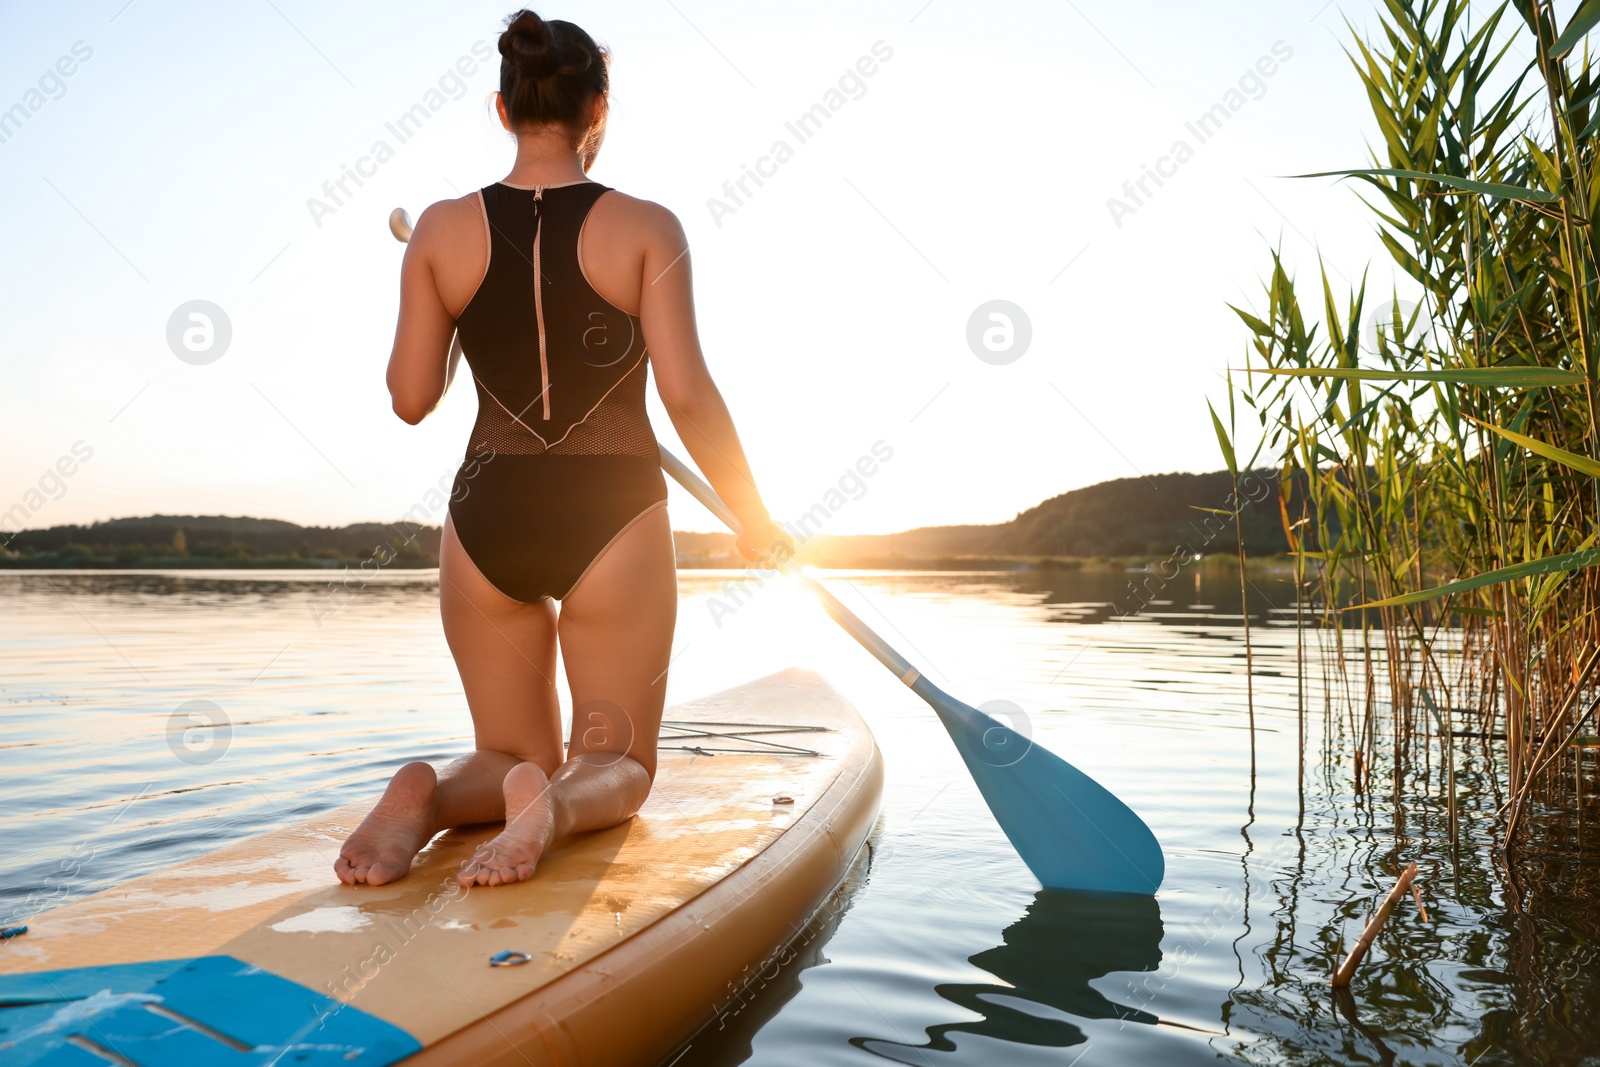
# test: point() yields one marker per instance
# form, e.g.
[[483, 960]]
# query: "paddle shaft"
[[865, 636]]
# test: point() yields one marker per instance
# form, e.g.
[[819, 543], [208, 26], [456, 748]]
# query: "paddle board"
[[625, 942]]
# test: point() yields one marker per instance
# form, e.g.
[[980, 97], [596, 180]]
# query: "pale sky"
[[176, 160]]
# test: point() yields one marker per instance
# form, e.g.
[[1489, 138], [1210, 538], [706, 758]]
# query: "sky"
[[174, 152]]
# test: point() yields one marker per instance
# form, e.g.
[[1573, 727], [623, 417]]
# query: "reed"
[[1449, 468]]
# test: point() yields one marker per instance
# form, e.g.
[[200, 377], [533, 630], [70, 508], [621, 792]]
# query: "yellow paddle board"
[[624, 943]]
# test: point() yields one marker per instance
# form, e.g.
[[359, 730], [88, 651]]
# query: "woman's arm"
[[423, 360], [666, 307]]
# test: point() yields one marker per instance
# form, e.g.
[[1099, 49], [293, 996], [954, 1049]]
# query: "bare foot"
[[381, 849], [530, 825]]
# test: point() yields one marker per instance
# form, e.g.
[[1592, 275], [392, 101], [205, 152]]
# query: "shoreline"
[[991, 563]]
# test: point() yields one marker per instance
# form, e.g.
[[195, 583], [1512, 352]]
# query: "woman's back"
[[558, 367], [562, 457]]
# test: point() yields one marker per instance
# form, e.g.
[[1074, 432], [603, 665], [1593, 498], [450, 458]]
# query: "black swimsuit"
[[562, 459]]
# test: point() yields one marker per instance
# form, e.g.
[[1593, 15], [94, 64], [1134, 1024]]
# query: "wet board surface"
[[663, 913]]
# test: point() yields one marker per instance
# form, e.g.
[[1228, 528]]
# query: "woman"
[[557, 288]]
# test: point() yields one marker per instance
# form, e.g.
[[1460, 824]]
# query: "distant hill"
[[224, 540], [1149, 516], [1127, 517]]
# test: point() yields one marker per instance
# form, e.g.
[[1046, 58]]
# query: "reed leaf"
[[1583, 20], [1518, 193], [1223, 442], [1495, 377], [1569, 561], [1582, 464]]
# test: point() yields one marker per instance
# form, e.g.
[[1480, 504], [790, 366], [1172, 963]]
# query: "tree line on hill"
[[220, 540], [1140, 517], [1144, 517]]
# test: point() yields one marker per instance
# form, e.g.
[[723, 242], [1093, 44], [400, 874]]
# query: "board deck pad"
[[184, 1014], [413, 956]]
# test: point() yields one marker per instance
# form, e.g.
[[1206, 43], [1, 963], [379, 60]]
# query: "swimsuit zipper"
[[538, 299]]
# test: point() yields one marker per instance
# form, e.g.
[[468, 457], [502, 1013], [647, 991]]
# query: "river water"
[[940, 948]]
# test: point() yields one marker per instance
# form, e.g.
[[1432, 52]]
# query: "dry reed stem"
[[1347, 969]]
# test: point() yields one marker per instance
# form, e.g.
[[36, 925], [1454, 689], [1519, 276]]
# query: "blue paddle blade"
[[1070, 830]]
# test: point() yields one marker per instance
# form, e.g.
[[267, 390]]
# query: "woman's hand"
[[765, 543]]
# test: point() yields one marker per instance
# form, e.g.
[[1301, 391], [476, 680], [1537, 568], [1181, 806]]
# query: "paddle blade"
[[1068, 828]]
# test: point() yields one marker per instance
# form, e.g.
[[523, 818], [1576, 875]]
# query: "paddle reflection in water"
[[1045, 965]]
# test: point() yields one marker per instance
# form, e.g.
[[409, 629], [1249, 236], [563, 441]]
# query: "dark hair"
[[550, 73]]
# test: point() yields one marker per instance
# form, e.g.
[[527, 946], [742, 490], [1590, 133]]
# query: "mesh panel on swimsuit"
[[618, 426]]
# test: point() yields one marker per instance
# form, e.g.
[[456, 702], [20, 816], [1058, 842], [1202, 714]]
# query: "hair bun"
[[550, 74], [529, 44]]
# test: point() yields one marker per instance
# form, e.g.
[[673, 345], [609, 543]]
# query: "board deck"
[[636, 935]]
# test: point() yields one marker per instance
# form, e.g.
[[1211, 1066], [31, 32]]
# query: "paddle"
[[1070, 830]]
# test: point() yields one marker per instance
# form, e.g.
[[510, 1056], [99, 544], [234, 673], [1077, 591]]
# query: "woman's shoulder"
[[641, 216], [445, 219]]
